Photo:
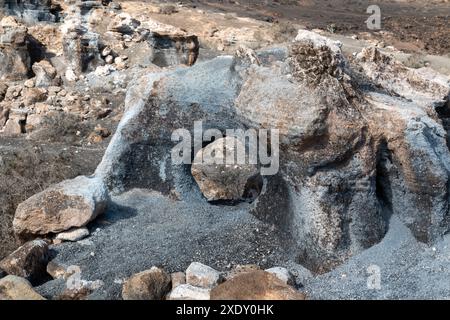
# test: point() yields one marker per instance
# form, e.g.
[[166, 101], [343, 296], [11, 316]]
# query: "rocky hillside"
[[95, 95]]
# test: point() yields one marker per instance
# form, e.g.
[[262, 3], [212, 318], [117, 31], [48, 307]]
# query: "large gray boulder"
[[350, 153]]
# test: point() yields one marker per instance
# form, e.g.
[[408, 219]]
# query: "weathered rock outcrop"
[[15, 61], [351, 151]]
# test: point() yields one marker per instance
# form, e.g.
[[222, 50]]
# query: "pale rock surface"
[[217, 179], [75, 234], [283, 274], [72, 203], [17, 288], [203, 276], [189, 292]]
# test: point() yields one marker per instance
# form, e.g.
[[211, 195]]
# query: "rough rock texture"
[[188, 292], [45, 74], [145, 226], [283, 274], [29, 261], [66, 205], [15, 61], [256, 285], [32, 11], [218, 179], [57, 271], [152, 284], [202, 276], [353, 151], [239, 269], [73, 234], [17, 288], [177, 279]]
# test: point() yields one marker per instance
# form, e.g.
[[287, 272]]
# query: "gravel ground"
[[143, 229], [408, 270]]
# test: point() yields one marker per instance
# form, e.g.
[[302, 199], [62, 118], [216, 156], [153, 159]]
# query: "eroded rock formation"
[[355, 147]]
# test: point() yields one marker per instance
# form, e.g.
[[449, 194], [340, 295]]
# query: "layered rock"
[[15, 61]]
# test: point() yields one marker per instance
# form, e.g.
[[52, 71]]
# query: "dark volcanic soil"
[[420, 25]]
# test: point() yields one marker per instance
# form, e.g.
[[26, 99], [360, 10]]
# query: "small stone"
[[106, 52], [283, 274], [29, 83], [17, 288], [33, 121], [57, 270], [29, 261], [105, 70], [203, 276], [45, 74], [73, 235], [256, 285], [152, 284], [109, 59], [239, 269], [71, 76], [12, 128], [178, 278], [188, 292], [103, 113]]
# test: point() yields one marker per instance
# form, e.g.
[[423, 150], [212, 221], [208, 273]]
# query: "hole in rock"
[[383, 183], [444, 114]]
